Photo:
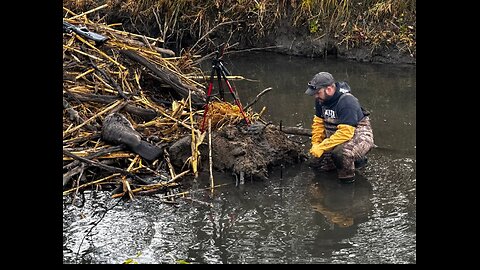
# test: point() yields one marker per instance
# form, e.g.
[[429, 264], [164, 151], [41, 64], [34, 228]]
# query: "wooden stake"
[[166, 156], [210, 153]]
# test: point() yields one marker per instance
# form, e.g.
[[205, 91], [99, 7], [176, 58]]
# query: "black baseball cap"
[[320, 80]]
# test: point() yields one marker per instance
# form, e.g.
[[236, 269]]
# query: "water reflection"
[[342, 205], [303, 219]]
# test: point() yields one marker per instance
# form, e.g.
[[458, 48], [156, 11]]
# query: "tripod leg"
[[209, 93], [237, 100], [220, 88]]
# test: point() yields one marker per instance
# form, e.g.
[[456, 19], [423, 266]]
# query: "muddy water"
[[298, 215]]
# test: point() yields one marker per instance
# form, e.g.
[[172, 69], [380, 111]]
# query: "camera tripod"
[[221, 71]]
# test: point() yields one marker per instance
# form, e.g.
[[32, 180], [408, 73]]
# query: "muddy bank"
[[287, 39], [292, 41]]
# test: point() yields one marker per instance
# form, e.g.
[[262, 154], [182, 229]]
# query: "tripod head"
[[217, 62], [220, 51]]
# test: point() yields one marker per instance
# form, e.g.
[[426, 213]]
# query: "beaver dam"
[[133, 115]]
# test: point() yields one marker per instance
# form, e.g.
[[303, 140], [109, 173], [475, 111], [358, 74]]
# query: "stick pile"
[[150, 88]]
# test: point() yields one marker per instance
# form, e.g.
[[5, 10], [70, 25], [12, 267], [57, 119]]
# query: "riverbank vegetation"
[[198, 26]]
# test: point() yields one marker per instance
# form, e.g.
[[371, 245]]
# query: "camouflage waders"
[[342, 157]]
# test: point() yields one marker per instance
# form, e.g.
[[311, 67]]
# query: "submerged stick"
[[188, 192]]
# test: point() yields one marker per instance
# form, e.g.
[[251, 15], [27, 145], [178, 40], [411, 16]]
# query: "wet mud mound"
[[253, 151], [249, 152]]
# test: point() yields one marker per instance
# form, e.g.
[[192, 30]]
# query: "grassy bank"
[[196, 25]]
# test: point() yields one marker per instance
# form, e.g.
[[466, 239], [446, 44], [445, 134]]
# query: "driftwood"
[[145, 114], [258, 97], [294, 130], [140, 44], [166, 76]]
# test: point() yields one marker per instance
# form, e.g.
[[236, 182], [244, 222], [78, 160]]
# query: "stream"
[[298, 215]]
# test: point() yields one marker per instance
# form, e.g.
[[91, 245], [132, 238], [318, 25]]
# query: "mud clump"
[[249, 152]]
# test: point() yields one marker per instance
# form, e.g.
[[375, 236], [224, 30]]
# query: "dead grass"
[[373, 23]]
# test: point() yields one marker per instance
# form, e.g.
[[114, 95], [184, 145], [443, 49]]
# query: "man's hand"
[[316, 151]]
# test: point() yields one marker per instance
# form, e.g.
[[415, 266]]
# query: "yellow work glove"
[[316, 150], [343, 134], [318, 130]]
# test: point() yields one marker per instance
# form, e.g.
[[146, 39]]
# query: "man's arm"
[[318, 130], [344, 133]]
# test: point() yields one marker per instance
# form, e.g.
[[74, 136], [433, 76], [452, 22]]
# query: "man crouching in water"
[[341, 130]]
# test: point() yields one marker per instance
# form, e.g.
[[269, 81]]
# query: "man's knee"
[[339, 156]]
